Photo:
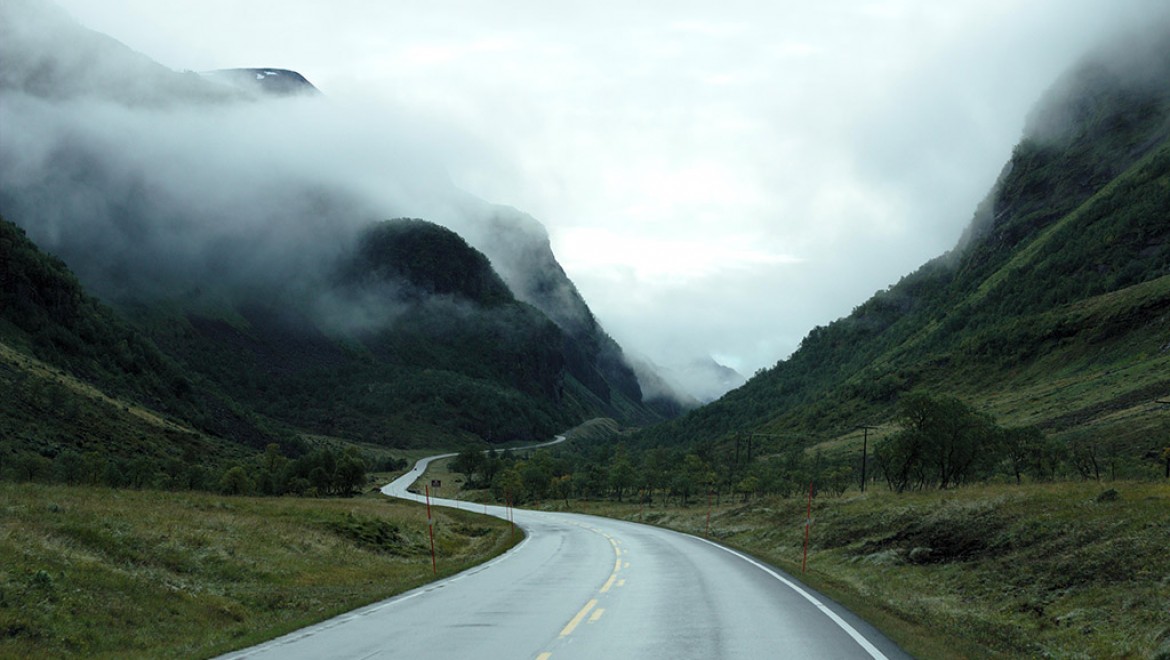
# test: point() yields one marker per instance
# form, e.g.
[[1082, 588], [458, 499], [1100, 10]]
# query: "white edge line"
[[850, 630], [342, 619], [389, 490]]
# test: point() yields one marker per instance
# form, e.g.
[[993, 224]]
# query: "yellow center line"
[[568, 630], [589, 607]]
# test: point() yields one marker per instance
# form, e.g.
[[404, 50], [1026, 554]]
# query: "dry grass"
[[88, 572], [1044, 570]]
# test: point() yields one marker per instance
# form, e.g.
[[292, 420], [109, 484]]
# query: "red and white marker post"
[[807, 524], [431, 529]]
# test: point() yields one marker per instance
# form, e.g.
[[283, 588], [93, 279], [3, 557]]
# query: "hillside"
[[1052, 311], [419, 344], [76, 379], [256, 300]]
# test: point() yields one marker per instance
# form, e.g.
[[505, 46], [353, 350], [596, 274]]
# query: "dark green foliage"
[[45, 307], [427, 260], [377, 534], [943, 443], [1066, 267], [440, 351]]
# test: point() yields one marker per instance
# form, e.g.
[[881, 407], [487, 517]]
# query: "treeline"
[[319, 473], [942, 443]]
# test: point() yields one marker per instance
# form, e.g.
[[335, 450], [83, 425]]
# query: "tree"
[[562, 487], [943, 442], [747, 486], [235, 482], [1086, 457], [350, 473], [1024, 447], [508, 486], [469, 463], [622, 475]]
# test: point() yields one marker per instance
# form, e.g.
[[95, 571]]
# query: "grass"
[[45, 410], [90, 572], [1066, 570]]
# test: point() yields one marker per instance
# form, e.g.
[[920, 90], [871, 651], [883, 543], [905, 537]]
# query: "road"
[[584, 587]]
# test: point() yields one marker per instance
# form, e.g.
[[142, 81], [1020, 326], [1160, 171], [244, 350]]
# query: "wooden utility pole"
[[864, 452]]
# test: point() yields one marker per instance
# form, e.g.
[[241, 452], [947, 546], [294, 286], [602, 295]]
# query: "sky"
[[716, 178]]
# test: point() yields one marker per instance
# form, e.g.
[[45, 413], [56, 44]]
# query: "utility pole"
[[864, 452]]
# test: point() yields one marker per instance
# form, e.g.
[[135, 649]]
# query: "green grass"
[[90, 572], [1039, 570]]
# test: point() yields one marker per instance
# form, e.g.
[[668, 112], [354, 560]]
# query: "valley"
[[214, 350]]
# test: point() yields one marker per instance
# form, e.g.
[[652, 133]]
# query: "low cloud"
[[817, 153]]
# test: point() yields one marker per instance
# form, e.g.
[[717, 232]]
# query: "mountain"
[[75, 377], [48, 55], [1051, 311], [519, 247], [271, 285], [267, 80]]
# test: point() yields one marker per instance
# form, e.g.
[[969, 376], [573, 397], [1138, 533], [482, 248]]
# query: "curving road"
[[586, 587]]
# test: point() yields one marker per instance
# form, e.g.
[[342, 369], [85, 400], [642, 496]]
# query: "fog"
[[715, 180], [201, 188]]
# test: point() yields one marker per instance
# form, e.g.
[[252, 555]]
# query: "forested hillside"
[[254, 300], [1053, 311]]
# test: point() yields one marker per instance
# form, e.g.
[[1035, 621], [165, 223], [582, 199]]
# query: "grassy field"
[[1063, 570], [1069, 570], [90, 572]]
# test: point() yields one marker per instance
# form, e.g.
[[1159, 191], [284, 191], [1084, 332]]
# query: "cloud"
[[825, 148]]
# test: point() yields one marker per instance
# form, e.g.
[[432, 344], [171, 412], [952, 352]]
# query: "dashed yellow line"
[[591, 606], [568, 630]]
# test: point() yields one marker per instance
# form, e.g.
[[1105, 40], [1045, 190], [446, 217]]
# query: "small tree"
[[747, 486], [1023, 448], [350, 473], [235, 482], [470, 463], [943, 442]]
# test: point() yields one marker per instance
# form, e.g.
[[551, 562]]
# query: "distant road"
[[586, 587]]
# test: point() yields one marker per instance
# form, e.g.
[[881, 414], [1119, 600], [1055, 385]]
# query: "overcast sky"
[[717, 177]]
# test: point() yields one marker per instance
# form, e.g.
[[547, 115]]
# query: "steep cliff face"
[[519, 247]]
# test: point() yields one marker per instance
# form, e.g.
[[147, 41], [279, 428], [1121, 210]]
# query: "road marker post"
[[707, 530], [431, 529], [508, 511], [807, 524]]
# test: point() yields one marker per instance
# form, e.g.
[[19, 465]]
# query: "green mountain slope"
[[75, 377], [422, 345], [1053, 310], [266, 296]]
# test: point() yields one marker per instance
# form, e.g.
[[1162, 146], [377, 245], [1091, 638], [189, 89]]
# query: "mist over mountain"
[[1051, 311], [244, 231], [267, 80]]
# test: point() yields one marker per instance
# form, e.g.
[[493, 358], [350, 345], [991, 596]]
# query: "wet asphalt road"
[[583, 587]]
